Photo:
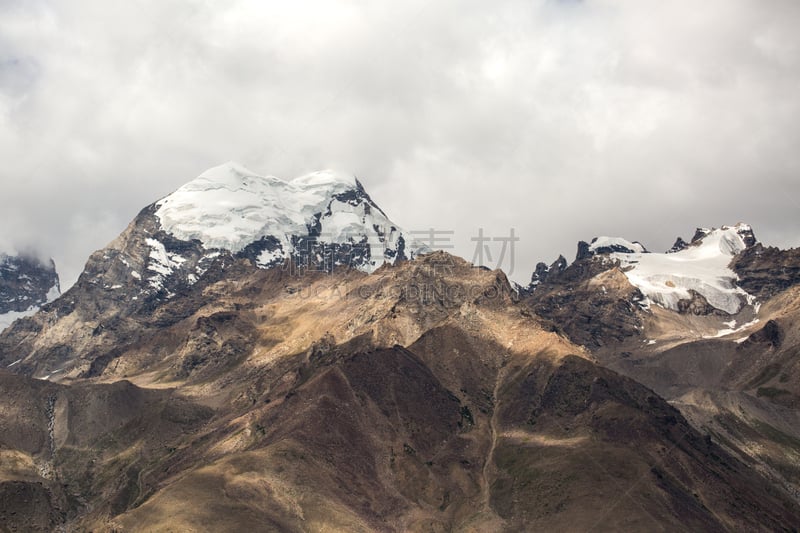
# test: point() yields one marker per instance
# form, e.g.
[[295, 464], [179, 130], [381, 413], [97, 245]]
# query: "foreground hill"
[[361, 407]]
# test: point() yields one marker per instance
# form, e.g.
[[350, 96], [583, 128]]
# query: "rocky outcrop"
[[764, 271], [543, 272], [590, 300], [770, 336], [697, 305], [679, 245], [589, 315]]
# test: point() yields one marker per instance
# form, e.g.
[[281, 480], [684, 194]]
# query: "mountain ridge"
[[185, 383]]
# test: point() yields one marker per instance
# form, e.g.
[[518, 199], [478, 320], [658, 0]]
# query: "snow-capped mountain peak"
[[702, 267], [727, 240], [230, 207]]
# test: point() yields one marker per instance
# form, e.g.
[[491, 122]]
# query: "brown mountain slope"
[[735, 377], [67, 450], [743, 389], [375, 442], [419, 398], [593, 304]]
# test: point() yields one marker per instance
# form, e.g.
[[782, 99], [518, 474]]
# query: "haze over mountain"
[[253, 353]]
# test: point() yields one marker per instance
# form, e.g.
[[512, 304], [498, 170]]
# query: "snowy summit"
[[702, 266], [230, 207]]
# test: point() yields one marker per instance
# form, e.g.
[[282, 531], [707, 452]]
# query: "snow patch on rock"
[[162, 263], [6, 319]]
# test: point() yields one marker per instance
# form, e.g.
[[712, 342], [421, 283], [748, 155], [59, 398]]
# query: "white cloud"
[[562, 119]]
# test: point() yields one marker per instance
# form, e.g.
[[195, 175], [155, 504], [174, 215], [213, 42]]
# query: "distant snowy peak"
[[232, 208], [315, 223], [701, 267], [229, 207], [730, 239], [26, 283]]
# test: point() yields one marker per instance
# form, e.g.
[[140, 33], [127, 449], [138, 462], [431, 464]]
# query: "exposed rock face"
[[543, 272], [699, 234], [26, 282], [605, 246], [770, 336], [697, 305], [747, 235], [592, 310], [584, 252], [764, 271], [679, 245], [589, 300]]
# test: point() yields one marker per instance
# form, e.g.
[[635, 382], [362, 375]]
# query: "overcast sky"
[[562, 119]]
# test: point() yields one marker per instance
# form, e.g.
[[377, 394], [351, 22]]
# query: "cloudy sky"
[[561, 119]]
